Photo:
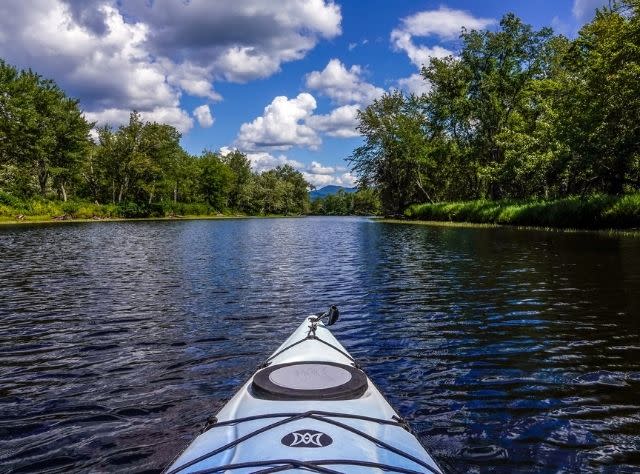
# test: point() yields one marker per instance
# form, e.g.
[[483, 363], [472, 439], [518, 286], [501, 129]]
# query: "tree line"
[[520, 113], [363, 202], [46, 152]]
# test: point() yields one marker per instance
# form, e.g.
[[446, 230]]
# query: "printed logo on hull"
[[307, 439]]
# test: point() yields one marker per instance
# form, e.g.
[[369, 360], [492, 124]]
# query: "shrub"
[[70, 208], [9, 200], [592, 212], [133, 210]]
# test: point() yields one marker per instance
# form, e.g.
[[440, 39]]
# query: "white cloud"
[[340, 122], [419, 55], [316, 173], [317, 168], [281, 126], [320, 180], [584, 10], [347, 180], [244, 63], [225, 150], [109, 116], [111, 73], [203, 115], [170, 115], [444, 23], [194, 80], [353, 46], [263, 161], [240, 40], [117, 56], [343, 85], [414, 84]]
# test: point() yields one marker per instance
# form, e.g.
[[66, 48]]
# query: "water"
[[508, 350]]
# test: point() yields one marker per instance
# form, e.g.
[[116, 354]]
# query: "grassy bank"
[[38, 210], [594, 212]]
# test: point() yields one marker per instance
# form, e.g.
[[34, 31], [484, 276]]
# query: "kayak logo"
[[307, 439]]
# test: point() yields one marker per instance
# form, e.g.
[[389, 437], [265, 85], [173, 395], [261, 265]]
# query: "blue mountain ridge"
[[329, 190]]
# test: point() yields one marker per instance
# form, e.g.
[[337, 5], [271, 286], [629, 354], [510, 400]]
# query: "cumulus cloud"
[[225, 150], [170, 115], [135, 54], [343, 85], [281, 126], [203, 116], [320, 180], [419, 55], [340, 122], [317, 168], [444, 24], [414, 84], [240, 40], [441, 25], [316, 173], [194, 80], [263, 161]]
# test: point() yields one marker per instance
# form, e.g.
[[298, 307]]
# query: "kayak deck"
[[287, 418]]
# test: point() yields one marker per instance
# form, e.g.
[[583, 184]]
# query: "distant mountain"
[[328, 190]]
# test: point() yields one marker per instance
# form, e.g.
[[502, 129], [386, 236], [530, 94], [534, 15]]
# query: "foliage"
[[364, 202], [595, 212], [136, 170], [518, 114], [43, 134]]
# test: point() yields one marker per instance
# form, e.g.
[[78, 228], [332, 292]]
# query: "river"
[[508, 350]]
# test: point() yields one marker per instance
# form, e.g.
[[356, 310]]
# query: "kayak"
[[308, 408]]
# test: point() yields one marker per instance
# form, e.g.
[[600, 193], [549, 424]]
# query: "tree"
[[395, 156], [599, 114], [295, 190], [41, 129], [241, 168], [216, 180], [481, 96]]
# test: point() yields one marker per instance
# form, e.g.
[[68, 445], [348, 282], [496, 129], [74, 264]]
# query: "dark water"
[[509, 350]]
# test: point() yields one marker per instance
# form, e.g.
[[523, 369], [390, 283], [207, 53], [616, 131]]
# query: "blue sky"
[[281, 81]]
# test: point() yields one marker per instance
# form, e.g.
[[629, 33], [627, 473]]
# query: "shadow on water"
[[509, 350]]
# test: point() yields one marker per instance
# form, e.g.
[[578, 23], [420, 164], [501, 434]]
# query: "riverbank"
[[592, 213], [46, 211]]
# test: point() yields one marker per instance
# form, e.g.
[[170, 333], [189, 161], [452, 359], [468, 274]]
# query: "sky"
[[279, 80]]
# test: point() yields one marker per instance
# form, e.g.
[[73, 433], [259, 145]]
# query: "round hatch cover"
[[309, 381]]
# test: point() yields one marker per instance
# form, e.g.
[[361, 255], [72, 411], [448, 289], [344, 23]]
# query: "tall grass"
[[13, 208], [593, 212]]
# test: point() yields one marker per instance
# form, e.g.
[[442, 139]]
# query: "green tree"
[[295, 190], [216, 180], [600, 110], [395, 156], [485, 94], [241, 168], [41, 129]]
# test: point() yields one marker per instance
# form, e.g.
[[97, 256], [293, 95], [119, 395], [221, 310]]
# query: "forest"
[[50, 165], [522, 125], [519, 116]]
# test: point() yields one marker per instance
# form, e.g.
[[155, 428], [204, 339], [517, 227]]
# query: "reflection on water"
[[508, 349]]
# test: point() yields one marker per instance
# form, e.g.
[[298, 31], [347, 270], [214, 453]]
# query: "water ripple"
[[508, 350]]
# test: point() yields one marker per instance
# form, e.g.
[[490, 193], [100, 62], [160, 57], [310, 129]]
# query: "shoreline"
[[597, 212], [476, 225], [51, 220]]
